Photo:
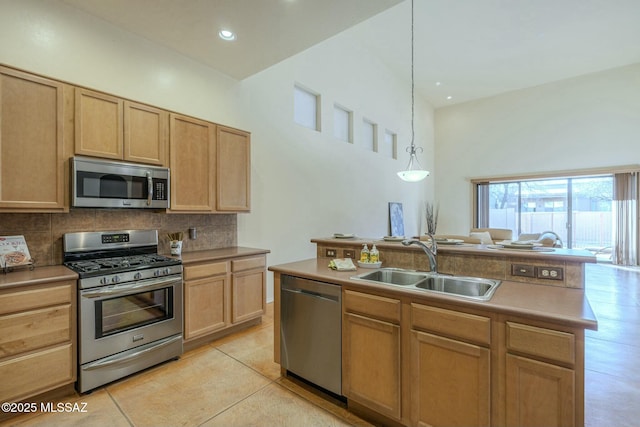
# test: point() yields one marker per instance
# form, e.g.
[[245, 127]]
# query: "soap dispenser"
[[364, 253], [374, 255]]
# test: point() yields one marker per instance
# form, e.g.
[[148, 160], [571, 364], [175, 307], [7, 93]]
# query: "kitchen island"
[[411, 356]]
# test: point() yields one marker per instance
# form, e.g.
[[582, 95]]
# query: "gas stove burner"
[[119, 264], [86, 265], [95, 254]]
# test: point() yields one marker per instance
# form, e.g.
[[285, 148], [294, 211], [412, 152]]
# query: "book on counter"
[[14, 251]]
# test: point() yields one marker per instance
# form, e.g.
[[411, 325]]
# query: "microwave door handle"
[[149, 188]]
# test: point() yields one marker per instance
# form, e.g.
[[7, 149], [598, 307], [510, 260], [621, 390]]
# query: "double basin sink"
[[469, 287]]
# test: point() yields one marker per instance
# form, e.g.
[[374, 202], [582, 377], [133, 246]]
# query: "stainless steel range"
[[129, 303]]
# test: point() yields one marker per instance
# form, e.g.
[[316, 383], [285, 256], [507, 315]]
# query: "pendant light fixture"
[[414, 171]]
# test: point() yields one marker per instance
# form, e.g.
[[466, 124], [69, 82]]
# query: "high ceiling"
[[465, 49]]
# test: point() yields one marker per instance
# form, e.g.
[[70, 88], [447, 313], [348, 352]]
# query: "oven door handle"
[[127, 289], [116, 359]]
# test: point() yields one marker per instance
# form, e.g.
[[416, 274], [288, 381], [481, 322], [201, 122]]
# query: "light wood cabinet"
[[450, 378], [34, 115], [99, 124], [206, 299], [539, 393], [146, 132], [192, 153], [110, 127], [234, 170], [43, 122], [541, 379], [37, 339], [248, 288], [371, 352], [221, 294]]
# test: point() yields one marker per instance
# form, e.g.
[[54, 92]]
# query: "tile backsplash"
[[43, 232]]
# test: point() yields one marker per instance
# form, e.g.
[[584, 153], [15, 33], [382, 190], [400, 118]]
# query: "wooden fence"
[[589, 229]]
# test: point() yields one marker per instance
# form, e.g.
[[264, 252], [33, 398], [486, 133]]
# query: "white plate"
[[515, 245], [449, 241], [343, 236], [369, 264], [393, 238]]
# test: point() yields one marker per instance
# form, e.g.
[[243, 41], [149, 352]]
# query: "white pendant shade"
[[413, 176], [413, 172]]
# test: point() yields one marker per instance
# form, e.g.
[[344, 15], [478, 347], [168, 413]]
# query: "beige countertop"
[[55, 273], [564, 305], [220, 254], [558, 254], [39, 275]]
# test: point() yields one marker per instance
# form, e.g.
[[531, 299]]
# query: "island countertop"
[[568, 306], [557, 254]]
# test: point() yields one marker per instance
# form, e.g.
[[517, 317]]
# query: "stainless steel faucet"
[[430, 251]]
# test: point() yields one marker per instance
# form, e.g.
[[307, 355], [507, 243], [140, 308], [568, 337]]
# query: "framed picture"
[[396, 219]]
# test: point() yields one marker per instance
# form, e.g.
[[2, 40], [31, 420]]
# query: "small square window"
[[306, 108], [342, 123], [369, 135], [390, 146]]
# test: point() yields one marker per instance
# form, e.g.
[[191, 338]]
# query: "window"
[[578, 209], [369, 135], [342, 123], [306, 108], [390, 145]]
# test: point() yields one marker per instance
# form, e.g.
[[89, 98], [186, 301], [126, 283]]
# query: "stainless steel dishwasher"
[[311, 331]]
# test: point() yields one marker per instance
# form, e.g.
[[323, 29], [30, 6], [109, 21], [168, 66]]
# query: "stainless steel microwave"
[[100, 183]]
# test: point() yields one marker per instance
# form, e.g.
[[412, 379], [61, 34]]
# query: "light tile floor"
[[230, 382], [234, 382]]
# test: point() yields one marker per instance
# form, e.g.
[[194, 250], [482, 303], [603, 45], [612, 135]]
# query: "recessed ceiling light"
[[438, 83], [449, 97], [227, 35]]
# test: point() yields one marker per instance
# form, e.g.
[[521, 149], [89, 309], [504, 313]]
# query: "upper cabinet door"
[[145, 134], [110, 127], [192, 159], [32, 116], [99, 124], [234, 170]]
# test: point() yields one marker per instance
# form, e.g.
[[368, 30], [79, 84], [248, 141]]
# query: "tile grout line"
[[115, 402], [236, 403]]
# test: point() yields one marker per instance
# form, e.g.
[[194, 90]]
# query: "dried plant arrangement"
[[431, 213]]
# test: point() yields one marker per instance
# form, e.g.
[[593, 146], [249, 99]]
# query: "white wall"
[[591, 121], [305, 184]]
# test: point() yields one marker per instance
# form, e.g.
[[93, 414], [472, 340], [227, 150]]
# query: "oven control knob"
[[104, 281], [167, 271], [137, 276], [115, 279], [157, 273]]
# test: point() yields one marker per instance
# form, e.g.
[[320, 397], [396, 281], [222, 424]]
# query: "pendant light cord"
[[413, 134]]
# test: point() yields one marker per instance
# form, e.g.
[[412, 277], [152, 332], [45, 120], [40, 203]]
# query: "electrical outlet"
[[330, 253], [350, 253], [551, 273]]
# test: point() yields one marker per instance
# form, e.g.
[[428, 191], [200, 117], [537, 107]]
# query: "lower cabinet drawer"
[[466, 326], [29, 298], [30, 330], [248, 263], [372, 305], [193, 272], [36, 373], [541, 342]]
